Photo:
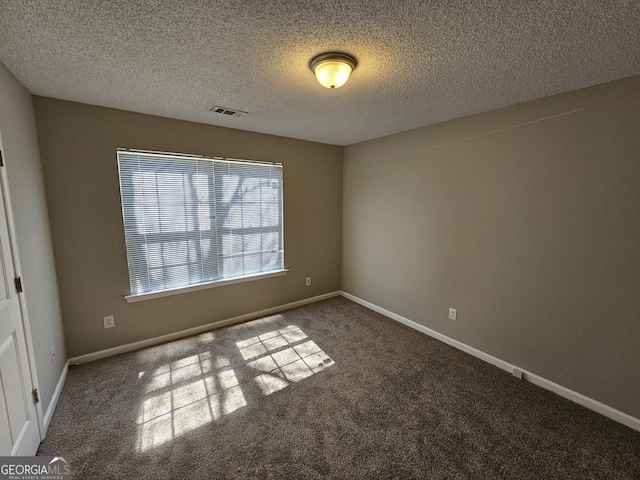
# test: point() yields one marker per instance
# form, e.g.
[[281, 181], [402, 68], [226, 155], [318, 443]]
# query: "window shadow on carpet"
[[188, 393]]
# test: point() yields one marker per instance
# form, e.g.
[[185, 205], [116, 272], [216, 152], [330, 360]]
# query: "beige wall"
[[530, 230], [22, 160], [78, 144]]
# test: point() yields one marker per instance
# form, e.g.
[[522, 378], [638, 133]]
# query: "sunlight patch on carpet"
[[284, 356], [196, 390], [185, 395]]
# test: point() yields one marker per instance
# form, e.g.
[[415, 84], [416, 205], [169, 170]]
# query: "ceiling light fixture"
[[332, 69]]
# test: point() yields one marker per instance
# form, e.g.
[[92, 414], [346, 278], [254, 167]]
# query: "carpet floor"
[[329, 390]]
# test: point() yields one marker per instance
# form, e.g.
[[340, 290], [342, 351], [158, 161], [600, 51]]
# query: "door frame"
[[17, 268]]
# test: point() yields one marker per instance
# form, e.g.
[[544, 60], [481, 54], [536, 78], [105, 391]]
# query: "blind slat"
[[193, 220]]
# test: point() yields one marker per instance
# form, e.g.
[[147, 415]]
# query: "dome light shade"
[[332, 69]]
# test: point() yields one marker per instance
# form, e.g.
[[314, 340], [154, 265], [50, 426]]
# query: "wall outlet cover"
[[109, 322], [453, 314]]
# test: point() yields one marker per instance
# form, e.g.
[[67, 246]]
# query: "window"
[[192, 221]]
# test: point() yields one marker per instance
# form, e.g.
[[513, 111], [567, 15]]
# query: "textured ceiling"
[[420, 62]]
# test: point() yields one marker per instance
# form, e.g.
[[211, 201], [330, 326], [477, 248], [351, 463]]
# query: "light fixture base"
[[337, 56]]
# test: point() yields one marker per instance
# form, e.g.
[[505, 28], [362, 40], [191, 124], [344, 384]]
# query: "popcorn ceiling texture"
[[420, 62]]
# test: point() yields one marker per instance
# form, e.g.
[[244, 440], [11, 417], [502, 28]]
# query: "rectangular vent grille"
[[229, 111]]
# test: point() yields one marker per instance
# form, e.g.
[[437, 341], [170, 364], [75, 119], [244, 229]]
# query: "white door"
[[19, 432]]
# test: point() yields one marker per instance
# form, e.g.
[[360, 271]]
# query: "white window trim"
[[203, 286]]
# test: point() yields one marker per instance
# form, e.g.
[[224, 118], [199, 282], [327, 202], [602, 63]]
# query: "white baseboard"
[[150, 342], [576, 397], [56, 395]]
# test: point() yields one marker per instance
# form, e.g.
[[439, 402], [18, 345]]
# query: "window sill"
[[203, 286]]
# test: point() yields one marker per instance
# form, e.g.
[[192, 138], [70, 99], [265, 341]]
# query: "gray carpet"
[[329, 390]]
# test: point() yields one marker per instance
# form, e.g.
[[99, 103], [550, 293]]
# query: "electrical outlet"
[[453, 314], [109, 322], [52, 353], [308, 282]]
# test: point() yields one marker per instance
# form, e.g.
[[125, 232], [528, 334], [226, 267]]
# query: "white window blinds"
[[194, 220]]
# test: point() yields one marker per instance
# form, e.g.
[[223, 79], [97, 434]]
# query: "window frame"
[[218, 282]]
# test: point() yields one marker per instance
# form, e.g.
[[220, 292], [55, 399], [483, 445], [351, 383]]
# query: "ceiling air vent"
[[229, 111]]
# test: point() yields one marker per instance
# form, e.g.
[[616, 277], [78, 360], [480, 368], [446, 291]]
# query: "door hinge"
[[36, 395], [1, 160], [18, 284]]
